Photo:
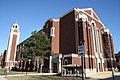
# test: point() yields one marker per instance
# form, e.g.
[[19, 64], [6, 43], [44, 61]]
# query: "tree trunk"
[[37, 65]]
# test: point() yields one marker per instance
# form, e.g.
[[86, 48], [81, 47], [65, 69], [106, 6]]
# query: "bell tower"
[[12, 46]]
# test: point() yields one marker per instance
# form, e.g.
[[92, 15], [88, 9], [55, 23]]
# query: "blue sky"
[[31, 15]]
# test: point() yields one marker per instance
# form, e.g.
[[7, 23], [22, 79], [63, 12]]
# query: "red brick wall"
[[73, 60], [47, 26], [55, 40], [76, 60], [67, 33], [13, 46], [88, 11], [85, 38]]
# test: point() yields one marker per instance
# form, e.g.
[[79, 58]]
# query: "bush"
[[14, 68]]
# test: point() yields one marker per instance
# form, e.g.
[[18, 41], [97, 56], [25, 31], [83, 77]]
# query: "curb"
[[30, 74]]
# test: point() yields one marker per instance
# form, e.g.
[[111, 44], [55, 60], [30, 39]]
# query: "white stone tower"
[[12, 46]]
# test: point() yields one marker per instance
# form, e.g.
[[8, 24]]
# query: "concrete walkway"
[[32, 74], [103, 75], [2, 78]]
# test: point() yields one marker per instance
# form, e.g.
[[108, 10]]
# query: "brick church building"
[[67, 33], [78, 27]]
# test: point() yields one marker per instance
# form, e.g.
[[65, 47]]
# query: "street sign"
[[80, 50]]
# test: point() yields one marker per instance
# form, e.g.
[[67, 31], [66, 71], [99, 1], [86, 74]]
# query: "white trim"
[[92, 12], [84, 17], [101, 46], [52, 31], [50, 19], [92, 56], [93, 18], [95, 14], [76, 55], [50, 64], [92, 21], [83, 10], [94, 34], [76, 9], [55, 19], [71, 55], [106, 30], [59, 63], [78, 16]]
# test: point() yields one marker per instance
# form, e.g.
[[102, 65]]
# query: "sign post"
[[80, 50], [78, 19], [81, 53]]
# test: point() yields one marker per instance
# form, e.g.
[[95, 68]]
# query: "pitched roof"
[[91, 12]]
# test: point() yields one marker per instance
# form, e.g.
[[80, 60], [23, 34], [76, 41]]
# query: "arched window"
[[100, 43], [16, 26], [52, 31], [94, 35]]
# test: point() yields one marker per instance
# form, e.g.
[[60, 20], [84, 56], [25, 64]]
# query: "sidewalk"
[[95, 76], [29, 74], [2, 78], [103, 75]]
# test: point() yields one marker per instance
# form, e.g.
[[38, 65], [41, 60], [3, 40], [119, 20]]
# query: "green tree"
[[37, 47]]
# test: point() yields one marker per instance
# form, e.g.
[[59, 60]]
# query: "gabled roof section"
[[91, 12]]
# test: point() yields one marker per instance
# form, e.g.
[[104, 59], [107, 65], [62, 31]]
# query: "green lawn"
[[42, 78], [10, 72], [37, 77], [1, 71], [14, 72]]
